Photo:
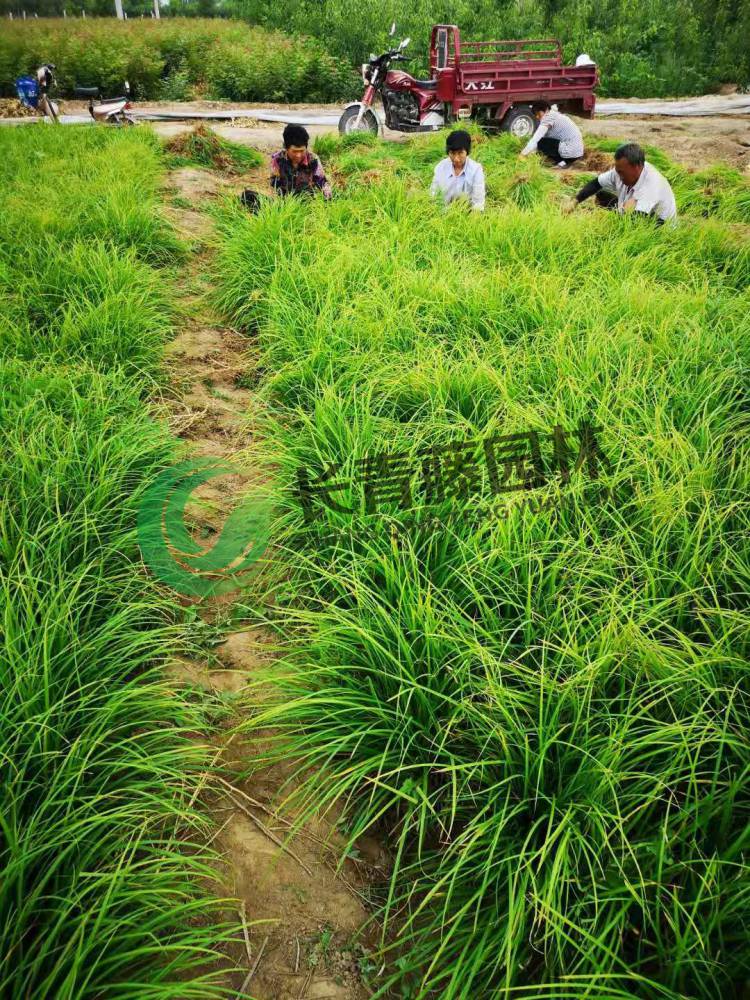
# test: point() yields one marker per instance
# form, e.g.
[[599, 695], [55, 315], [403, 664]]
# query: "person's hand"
[[629, 206], [569, 205]]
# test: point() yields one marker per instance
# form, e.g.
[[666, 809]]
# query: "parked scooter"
[[410, 105], [110, 110], [45, 79]]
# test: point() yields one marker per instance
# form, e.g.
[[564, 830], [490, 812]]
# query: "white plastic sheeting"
[[736, 104], [298, 117], [695, 107], [713, 104]]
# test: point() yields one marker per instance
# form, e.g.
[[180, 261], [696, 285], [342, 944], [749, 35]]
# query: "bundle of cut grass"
[[203, 147]]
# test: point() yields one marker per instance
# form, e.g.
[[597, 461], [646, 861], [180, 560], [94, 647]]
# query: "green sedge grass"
[[718, 192], [544, 710], [102, 845]]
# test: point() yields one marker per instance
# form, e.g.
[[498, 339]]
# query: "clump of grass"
[[202, 146], [77, 254], [547, 711]]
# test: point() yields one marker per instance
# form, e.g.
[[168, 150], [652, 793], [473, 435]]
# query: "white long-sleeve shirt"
[[556, 125], [651, 192], [468, 184]]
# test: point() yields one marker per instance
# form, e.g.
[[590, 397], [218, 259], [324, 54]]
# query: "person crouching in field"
[[632, 185], [458, 176], [294, 170], [556, 136]]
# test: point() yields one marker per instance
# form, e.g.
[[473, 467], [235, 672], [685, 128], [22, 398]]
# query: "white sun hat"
[[585, 60]]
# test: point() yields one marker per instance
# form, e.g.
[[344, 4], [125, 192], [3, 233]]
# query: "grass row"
[[101, 893], [545, 710], [718, 192]]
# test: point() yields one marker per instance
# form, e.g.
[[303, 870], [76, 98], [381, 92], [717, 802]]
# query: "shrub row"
[[174, 59]]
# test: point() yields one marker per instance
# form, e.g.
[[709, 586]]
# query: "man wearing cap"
[[458, 176], [632, 185]]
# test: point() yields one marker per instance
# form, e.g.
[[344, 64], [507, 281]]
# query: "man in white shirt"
[[458, 176], [556, 136], [632, 185]]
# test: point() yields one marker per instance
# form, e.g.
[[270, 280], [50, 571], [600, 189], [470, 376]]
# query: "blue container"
[[28, 91]]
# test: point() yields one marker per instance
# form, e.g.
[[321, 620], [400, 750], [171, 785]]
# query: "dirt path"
[[693, 142], [300, 915]]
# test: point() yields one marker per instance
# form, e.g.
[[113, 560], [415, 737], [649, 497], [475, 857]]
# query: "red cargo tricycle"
[[492, 83]]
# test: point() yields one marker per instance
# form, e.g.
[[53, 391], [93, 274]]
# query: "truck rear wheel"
[[520, 122]]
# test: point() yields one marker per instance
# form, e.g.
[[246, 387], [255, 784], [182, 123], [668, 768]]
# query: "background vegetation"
[[546, 712], [660, 48], [656, 49], [102, 891], [175, 59]]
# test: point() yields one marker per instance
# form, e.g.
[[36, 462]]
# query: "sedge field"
[[509, 572]]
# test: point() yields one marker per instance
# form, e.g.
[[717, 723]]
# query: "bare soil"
[[693, 142], [297, 916]]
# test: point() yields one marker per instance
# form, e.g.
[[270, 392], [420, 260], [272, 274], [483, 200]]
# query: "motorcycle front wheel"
[[120, 119], [348, 121]]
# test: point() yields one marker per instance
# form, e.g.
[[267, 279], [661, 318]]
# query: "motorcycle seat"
[[87, 91], [427, 84]]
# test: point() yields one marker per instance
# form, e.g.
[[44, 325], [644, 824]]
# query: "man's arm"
[[588, 190], [276, 185], [435, 186], [320, 180], [478, 190], [647, 207], [533, 142], [646, 204]]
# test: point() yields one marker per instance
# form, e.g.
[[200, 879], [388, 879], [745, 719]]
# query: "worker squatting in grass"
[[631, 185]]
